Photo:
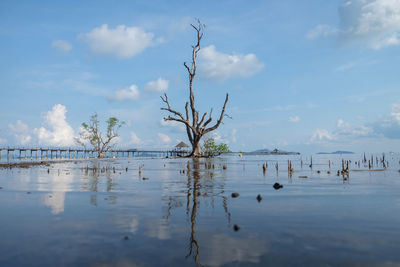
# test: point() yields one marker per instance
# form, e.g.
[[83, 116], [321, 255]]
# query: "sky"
[[304, 76]]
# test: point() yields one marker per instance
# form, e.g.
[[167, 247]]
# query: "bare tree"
[[196, 127], [101, 143]]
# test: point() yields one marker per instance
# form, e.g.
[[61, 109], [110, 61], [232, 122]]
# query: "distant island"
[[271, 152], [336, 152]]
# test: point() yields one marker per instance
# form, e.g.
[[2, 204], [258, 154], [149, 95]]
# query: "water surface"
[[106, 212]]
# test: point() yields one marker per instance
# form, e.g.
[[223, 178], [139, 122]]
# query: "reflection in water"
[[58, 182], [188, 219], [223, 249], [55, 201], [193, 244]]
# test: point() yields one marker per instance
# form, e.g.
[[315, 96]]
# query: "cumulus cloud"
[[219, 66], [135, 140], [122, 41], [344, 128], [158, 85], [128, 93], [21, 132], [294, 119], [321, 135], [56, 130], [322, 31], [375, 23], [164, 138], [62, 46], [389, 126]]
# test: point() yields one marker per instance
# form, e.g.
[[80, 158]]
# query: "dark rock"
[[126, 237], [259, 198], [236, 228], [277, 186], [235, 195]]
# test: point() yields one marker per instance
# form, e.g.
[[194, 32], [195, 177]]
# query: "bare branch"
[[229, 117], [169, 118], [202, 119], [220, 117], [165, 100], [208, 121]]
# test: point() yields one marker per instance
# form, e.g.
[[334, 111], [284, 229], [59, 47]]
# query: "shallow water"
[[86, 213]]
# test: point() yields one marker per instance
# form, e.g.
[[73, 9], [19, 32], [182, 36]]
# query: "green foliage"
[[211, 149], [92, 134]]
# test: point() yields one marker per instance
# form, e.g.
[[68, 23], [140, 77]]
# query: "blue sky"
[[303, 76]]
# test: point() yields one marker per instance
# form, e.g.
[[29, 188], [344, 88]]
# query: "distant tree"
[[196, 127], [211, 149], [100, 142]]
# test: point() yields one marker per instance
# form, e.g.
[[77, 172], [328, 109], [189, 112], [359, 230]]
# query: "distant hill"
[[271, 152], [262, 151], [336, 152]]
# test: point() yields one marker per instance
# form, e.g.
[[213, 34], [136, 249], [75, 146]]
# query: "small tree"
[[210, 149], [196, 127], [91, 133]]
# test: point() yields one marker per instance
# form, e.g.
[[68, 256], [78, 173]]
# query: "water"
[[85, 213]]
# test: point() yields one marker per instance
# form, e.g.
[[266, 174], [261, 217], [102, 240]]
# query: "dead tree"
[[196, 127]]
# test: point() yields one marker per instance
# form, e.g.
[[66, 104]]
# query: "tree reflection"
[[200, 186], [194, 245], [91, 181]]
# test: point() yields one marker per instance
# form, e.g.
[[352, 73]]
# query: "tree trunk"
[[196, 151]]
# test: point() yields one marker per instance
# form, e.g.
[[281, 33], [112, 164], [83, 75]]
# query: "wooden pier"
[[79, 153]]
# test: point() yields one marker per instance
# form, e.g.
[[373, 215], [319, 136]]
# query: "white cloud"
[[346, 66], [220, 66], [58, 131], [164, 138], [135, 140], [294, 119], [158, 85], [234, 138], [21, 132], [385, 42], [128, 93], [62, 45], [321, 31], [122, 42], [173, 125], [320, 135], [396, 112], [344, 128], [377, 22]]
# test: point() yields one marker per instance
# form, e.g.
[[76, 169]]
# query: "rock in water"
[[235, 195], [277, 186]]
